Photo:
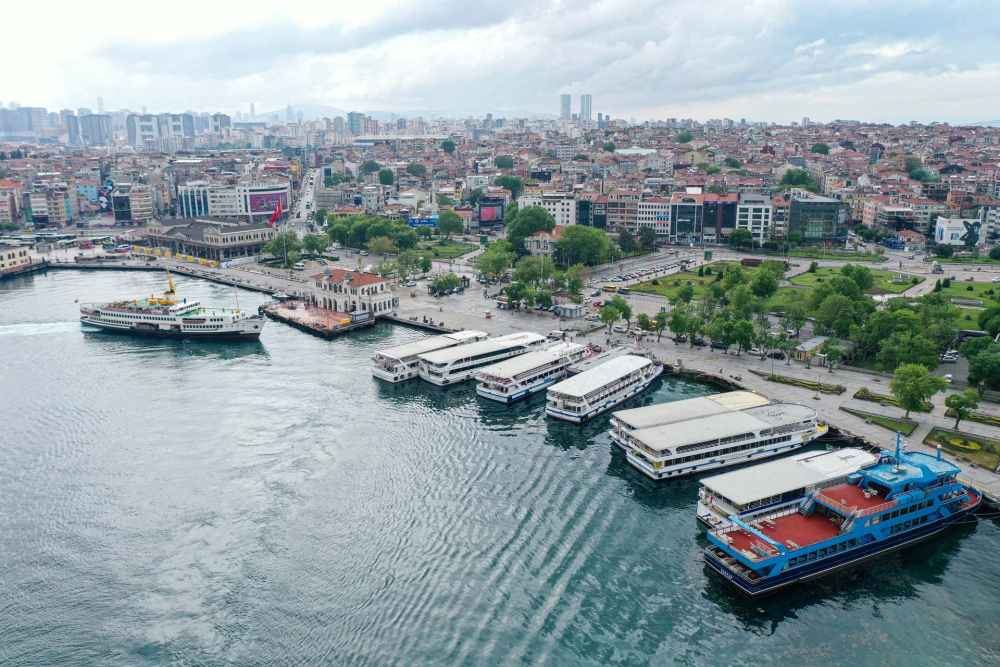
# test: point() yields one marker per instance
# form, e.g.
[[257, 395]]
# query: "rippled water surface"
[[185, 503]]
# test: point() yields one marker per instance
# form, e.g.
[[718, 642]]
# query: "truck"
[[936, 268]]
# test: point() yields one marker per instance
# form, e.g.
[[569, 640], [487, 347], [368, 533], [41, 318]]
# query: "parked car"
[[753, 351], [949, 359], [637, 331], [699, 342], [411, 283], [777, 354], [596, 292], [592, 318], [910, 257], [718, 345], [996, 280], [969, 279], [620, 328], [948, 378], [680, 339]]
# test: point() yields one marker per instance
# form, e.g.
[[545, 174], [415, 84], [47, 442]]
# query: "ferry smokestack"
[[939, 452]]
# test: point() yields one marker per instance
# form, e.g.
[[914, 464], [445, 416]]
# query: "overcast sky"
[[762, 60]]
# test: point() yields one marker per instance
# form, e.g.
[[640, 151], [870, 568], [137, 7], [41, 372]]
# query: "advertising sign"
[[490, 213], [266, 203]]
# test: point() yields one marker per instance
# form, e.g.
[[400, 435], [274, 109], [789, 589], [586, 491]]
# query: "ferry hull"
[[596, 412], [222, 335], [395, 377], [507, 399], [835, 563]]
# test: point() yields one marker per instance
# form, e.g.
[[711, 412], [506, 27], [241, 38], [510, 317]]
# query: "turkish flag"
[[276, 214]]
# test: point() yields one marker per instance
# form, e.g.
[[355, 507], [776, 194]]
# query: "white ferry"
[[399, 363], [700, 434], [457, 364], [167, 316], [599, 389], [518, 378], [774, 485]]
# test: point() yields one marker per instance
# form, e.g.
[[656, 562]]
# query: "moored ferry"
[[457, 364], [773, 485], [400, 363], [595, 391], [167, 316], [521, 376], [903, 498], [695, 435]]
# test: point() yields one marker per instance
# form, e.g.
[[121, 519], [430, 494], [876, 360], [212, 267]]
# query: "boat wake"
[[37, 328]]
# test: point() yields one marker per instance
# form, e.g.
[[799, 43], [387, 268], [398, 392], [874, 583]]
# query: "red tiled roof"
[[358, 278]]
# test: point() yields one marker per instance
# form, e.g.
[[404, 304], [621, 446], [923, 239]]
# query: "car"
[[596, 292], [411, 283], [792, 333], [620, 328], [949, 359], [970, 279], [910, 257], [719, 345], [948, 378], [363, 253], [699, 342], [680, 339], [587, 300], [592, 318], [996, 280], [637, 331], [598, 304], [753, 351]]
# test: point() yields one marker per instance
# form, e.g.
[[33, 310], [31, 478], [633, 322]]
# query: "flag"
[[274, 216]]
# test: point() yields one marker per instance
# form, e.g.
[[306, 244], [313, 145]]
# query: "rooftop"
[[588, 381]]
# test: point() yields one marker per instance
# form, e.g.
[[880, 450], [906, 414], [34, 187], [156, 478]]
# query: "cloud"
[[778, 58]]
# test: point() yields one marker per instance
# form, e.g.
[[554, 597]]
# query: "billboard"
[[490, 213], [266, 203], [104, 196]]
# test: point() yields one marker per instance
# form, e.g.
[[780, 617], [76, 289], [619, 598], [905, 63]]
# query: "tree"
[[494, 262], [382, 245], [647, 238], [627, 243], [683, 137], [512, 183], [543, 298], [574, 279], [731, 162], [702, 165], [659, 324], [985, 368], [445, 200], [735, 275], [608, 315], [989, 320], [446, 282], [995, 253], [913, 386], [378, 227], [911, 164], [405, 237], [797, 178], [407, 263], [368, 167], [504, 162], [717, 189], [742, 334], [943, 250], [580, 157], [474, 196], [450, 223], [740, 236], [623, 307], [764, 284], [530, 220], [962, 404], [609, 147], [314, 244], [386, 176], [386, 268], [821, 148], [414, 169], [685, 294], [285, 242], [643, 322], [530, 270], [425, 264], [320, 216], [713, 170], [448, 146], [833, 352]]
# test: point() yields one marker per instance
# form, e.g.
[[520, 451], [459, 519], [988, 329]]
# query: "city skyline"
[[777, 61]]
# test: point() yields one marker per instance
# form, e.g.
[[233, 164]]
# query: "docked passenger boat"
[[595, 391], [521, 376], [457, 364], [774, 485], [699, 434], [903, 498], [399, 363], [170, 317]]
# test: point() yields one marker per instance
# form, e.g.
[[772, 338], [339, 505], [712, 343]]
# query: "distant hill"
[[985, 123]]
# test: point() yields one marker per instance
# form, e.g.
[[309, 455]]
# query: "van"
[[299, 266], [556, 335]]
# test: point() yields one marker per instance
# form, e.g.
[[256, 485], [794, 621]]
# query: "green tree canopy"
[[740, 236], [913, 386], [797, 178], [608, 315], [609, 147], [414, 169], [450, 223], [731, 162], [448, 146], [683, 137], [369, 167], [504, 162], [579, 243], [530, 220], [474, 196], [647, 238], [382, 245], [820, 148], [512, 183], [962, 404], [530, 270], [314, 244], [386, 176], [623, 308]]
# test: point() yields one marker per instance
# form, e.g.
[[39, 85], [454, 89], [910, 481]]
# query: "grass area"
[[866, 394], [805, 384], [883, 280], [982, 290], [976, 417], [450, 251], [977, 449], [669, 286], [904, 426], [982, 259]]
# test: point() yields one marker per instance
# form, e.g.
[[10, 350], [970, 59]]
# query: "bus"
[[610, 288], [624, 290]]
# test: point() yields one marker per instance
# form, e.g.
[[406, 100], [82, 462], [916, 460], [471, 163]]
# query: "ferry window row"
[[916, 507], [714, 443], [540, 376], [604, 392], [723, 452], [822, 553], [916, 521], [144, 318]]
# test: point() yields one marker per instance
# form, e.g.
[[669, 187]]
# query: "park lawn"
[[982, 259], [959, 289], [786, 295], [980, 450], [904, 426], [883, 280], [668, 289], [451, 251]]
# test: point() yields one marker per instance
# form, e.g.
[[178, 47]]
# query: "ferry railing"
[[835, 504], [878, 508], [732, 565]]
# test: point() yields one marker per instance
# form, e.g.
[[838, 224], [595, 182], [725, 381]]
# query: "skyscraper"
[[289, 114], [585, 107], [253, 112], [564, 105], [100, 104]]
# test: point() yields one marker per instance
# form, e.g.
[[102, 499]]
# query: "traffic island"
[[904, 426], [805, 384], [973, 448]]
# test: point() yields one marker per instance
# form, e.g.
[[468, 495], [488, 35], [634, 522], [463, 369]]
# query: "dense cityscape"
[[564, 383]]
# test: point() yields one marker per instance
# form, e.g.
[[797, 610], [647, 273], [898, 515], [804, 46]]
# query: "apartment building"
[[655, 212], [562, 206], [54, 206], [754, 214], [623, 211], [132, 204]]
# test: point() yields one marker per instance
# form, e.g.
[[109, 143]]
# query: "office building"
[[561, 206], [565, 101], [586, 107], [95, 129], [817, 218]]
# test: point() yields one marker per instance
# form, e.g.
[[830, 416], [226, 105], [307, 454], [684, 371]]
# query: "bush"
[[970, 288], [813, 266], [654, 281], [946, 282], [819, 280], [914, 280], [708, 270], [701, 270], [677, 283]]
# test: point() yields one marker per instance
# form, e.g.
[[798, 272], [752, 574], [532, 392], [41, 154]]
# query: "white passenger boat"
[[776, 484], [521, 376], [699, 434], [453, 365], [399, 363], [599, 389]]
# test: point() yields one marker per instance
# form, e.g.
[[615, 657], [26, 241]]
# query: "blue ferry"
[[901, 499]]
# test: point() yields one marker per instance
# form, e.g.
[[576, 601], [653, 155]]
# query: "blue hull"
[[827, 565]]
